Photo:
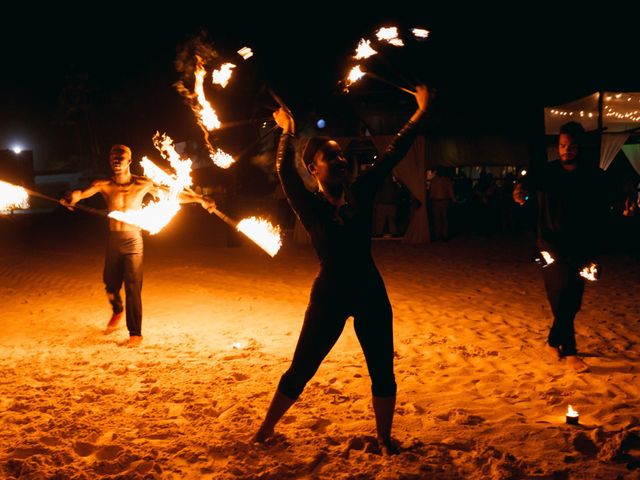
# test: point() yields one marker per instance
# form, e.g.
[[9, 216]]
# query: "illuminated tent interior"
[[615, 114]]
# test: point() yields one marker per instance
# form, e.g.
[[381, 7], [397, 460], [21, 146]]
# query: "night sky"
[[502, 64]]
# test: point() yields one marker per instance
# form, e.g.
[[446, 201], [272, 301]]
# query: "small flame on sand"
[[236, 346], [12, 197], [222, 75], [261, 232], [571, 412], [364, 50]]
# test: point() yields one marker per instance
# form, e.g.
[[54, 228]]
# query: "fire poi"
[[364, 50], [12, 197]]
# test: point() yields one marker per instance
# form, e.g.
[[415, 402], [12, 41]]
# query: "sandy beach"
[[477, 396]]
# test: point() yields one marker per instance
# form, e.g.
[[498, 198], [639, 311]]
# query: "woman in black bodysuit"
[[338, 218]]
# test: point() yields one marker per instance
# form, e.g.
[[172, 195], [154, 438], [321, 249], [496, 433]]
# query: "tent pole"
[[600, 105]]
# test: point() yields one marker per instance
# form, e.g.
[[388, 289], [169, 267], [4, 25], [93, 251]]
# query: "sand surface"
[[477, 396]]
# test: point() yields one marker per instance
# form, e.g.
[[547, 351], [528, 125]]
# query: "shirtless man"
[[123, 261]]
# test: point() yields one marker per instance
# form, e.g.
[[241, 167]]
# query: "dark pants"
[[564, 292], [123, 263], [440, 218], [335, 296]]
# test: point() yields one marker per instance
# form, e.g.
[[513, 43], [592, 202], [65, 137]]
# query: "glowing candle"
[[572, 417]]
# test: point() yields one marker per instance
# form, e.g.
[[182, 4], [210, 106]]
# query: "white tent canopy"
[[614, 114]]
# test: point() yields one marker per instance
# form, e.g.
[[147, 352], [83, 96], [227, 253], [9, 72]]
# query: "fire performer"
[[339, 220], [572, 203], [123, 260]]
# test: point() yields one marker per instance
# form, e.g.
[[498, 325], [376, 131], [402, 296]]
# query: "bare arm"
[[76, 195]]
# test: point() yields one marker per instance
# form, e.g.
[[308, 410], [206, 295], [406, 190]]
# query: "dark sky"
[[484, 59]]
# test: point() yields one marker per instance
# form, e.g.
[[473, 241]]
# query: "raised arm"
[[294, 188], [402, 141]]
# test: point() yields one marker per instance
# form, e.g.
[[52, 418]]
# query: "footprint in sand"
[[320, 425], [459, 416], [83, 449], [109, 452]]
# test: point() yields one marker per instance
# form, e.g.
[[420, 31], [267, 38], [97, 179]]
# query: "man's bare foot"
[[577, 364], [113, 323], [134, 341], [553, 352], [388, 446], [262, 435]]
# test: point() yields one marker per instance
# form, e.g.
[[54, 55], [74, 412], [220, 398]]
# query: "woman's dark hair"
[[311, 148]]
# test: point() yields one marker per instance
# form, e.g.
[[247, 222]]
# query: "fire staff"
[[123, 260]]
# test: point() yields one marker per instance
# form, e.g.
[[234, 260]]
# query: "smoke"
[[198, 45]]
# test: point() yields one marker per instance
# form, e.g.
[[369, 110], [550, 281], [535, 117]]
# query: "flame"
[[222, 76], [420, 32], [571, 412], [364, 50], [203, 109], [389, 35], [245, 53], [236, 346], [12, 197], [547, 257], [154, 216], [590, 272], [261, 232], [222, 159], [355, 74], [182, 179]]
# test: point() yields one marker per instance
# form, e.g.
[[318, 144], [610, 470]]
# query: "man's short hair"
[[120, 147], [574, 129]]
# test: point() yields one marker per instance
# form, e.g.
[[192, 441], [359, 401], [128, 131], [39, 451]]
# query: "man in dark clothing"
[[571, 209], [338, 218]]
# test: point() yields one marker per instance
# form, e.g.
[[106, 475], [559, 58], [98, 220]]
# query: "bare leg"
[[279, 406]]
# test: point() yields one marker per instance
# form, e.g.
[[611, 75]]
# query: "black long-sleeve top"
[[341, 236], [572, 209]]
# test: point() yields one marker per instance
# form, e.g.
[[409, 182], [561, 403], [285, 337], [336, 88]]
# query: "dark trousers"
[[440, 218], [564, 292], [335, 296], [123, 264]]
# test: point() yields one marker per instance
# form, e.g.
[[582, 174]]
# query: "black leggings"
[[564, 291], [335, 296], [123, 263]]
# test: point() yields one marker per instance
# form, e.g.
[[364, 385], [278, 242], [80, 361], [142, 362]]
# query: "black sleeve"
[[396, 151], [300, 199]]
